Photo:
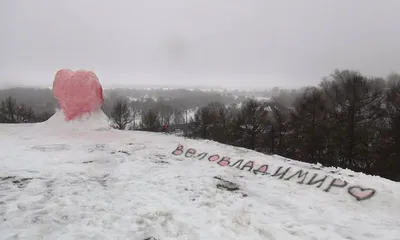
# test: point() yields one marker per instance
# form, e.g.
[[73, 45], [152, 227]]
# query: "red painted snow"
[[77, 92]]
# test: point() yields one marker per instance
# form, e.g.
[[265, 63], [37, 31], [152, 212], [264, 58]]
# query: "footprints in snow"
[[13, 180], [125, 151], [96, 147], [52, 147], [161, 156], [228, 186], [14, 203], [121, 151]]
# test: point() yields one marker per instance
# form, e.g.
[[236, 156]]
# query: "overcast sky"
[[198, 42]]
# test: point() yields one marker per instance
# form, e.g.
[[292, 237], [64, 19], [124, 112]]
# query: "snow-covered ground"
[[82, 180]]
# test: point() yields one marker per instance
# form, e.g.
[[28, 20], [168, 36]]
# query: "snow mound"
[[137, 185], [96, 120]]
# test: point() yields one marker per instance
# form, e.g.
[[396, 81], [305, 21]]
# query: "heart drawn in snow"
[[77, 92], [361, 193]]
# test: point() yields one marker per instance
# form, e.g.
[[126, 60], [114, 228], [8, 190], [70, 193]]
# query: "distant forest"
[[349, 120], [41, 103]]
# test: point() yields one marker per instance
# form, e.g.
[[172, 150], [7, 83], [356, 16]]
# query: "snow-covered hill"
[[83, 180]]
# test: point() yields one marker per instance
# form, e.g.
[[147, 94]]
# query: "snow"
[[190, 114], [82, 180], [266, 99], [89, 121]]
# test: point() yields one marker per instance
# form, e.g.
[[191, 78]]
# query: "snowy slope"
[[84, 181]]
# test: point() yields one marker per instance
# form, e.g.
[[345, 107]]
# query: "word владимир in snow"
[[288, 173]]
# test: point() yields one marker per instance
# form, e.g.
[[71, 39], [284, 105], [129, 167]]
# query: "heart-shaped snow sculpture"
[[77, 92], [361, 193]]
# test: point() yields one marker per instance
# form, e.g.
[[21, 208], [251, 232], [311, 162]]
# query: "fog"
[[230, 43]]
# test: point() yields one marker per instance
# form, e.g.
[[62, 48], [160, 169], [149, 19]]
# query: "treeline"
[[155, 116], [12, 112], [348, 121], [176, 98], [152, 114]]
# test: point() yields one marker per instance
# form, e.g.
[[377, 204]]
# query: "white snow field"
[[83, 180]]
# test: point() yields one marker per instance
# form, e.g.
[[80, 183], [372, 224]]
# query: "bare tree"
[[177, 117], [121, 115], [8, 109], [25, 114], [151, 120], [165, 112], [135, 109], [255, 119]]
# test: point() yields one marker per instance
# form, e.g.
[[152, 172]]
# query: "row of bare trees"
[[125, 115], [12, 112], [349, 121]]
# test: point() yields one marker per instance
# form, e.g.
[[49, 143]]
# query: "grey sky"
[[208, 42]]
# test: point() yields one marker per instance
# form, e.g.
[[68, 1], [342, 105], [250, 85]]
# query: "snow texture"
[[77, 92], [96, 120], [71, 181]]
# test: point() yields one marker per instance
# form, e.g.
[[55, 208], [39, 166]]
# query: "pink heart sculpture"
[[77, 92]]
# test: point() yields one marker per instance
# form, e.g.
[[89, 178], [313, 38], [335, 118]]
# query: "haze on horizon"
[[252, 43]]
